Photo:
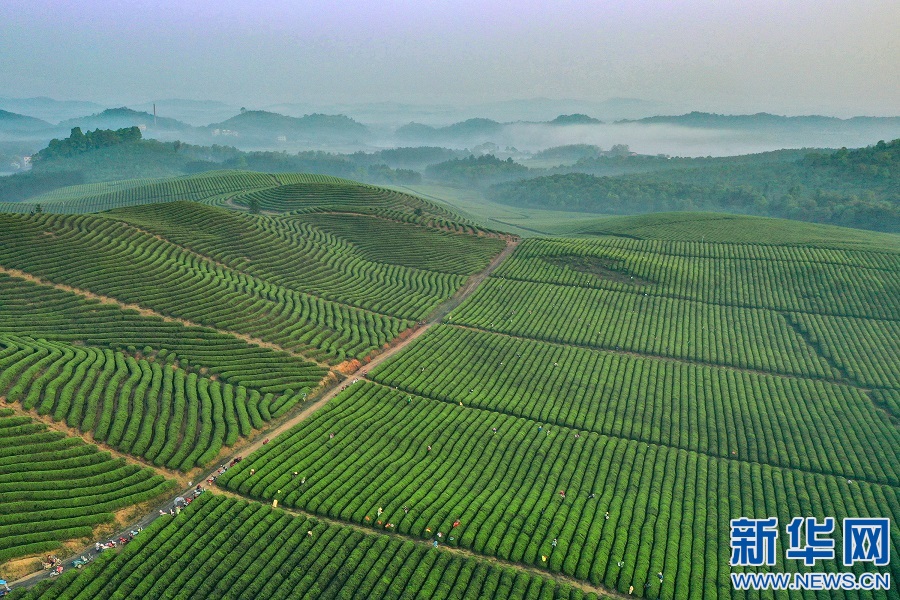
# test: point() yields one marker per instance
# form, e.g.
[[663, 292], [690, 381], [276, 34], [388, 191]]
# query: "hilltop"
[[269, 126], [118, 118], [576, 119], [468, 131]]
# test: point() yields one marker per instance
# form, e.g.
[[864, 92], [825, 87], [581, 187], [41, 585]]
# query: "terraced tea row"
[[224, 548], [147, 408], [295, 178], [192, 187], [704, 227], [392, 242], [504, 486], [370, 200], [116, 260], [86, 190], [293, 253], [693, 331], [889, 400], [54, 488], [867, 350], [820, 280], [805, 424], [43, 311]]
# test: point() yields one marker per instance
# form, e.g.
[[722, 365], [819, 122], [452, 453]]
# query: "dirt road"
[[291, 420]]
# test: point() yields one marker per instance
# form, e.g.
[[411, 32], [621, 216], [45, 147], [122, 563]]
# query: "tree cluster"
[[79, 142], [855, 188]]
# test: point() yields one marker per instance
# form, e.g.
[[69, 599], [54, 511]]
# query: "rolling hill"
[[269, 126], [876, 126], [16, 124], [465, 132], [118, 118], [423, 407], [856, 188], [49, 109]]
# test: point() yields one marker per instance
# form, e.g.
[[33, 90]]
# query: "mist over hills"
[[479, 130], [761, 121], [393, 114], [198, 113], [522, 126], [854, 188], [464, 132], [13, 123], [263, 126], [49, 109], [693, 134], [117, 118]]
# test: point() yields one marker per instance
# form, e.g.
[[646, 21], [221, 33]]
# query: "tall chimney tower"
[[154, 114]]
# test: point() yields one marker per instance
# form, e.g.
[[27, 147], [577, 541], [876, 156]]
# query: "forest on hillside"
[[855, 188]]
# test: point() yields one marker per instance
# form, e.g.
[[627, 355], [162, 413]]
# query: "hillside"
[[15, 124], [49, 109], [428, 399], [110, 155], [465, 132], [726, 228], [856, 188], [569, 153], [231, 188], [575, 119], [477, 170], [259, 124], [763, 121], [166, 379], [118, 118]]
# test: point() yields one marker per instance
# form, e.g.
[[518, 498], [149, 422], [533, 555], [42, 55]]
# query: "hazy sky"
[[785, 56]]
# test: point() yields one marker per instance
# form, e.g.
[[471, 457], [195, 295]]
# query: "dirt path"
[[147, 312], [88, 438], [290, 419], [399, 344], [184, 249], [455, 550]]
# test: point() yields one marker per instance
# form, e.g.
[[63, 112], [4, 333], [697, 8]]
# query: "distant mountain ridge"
[[455, 131], [767, 120], [48, 109], [118, 118], [11, 122], [575, 119], [260, 123], [479, 129], [198, 113]]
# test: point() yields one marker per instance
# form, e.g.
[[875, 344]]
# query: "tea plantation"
[[382, 400], [224, 548]]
